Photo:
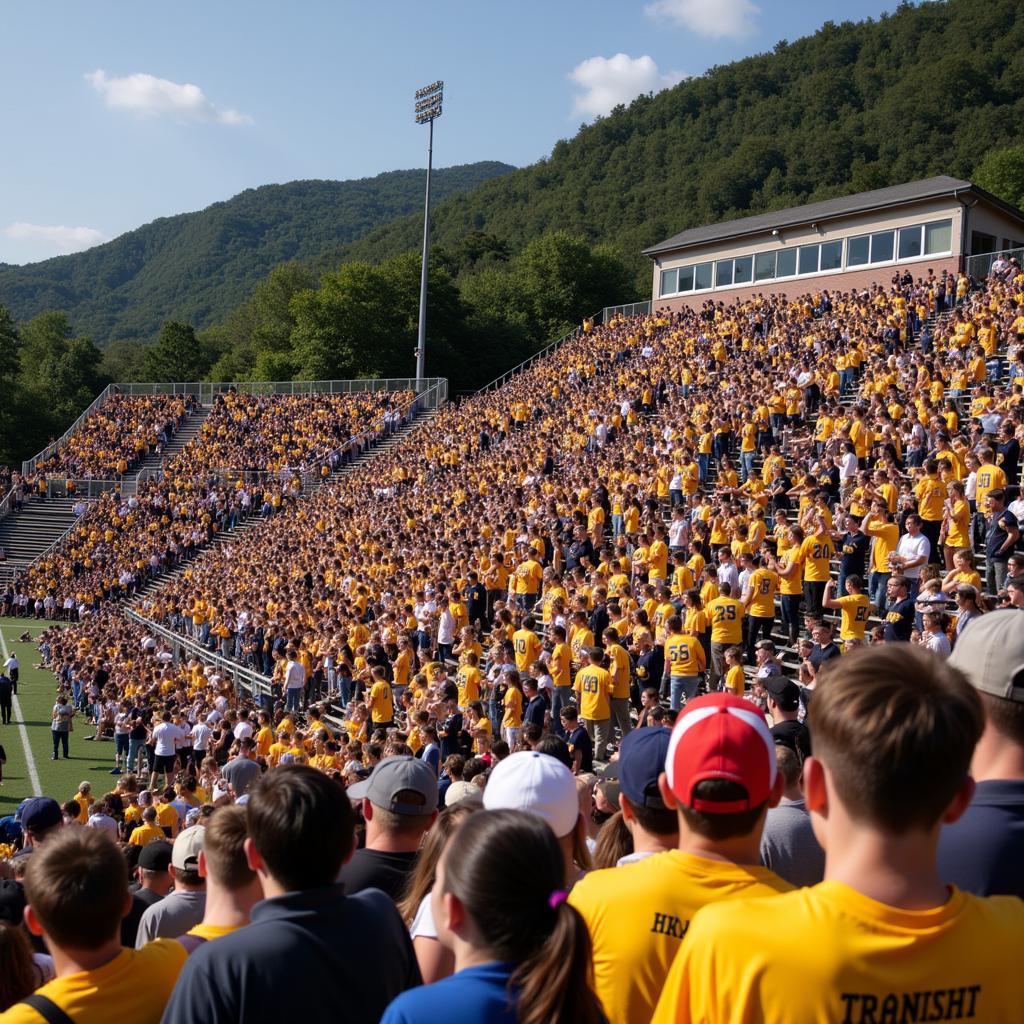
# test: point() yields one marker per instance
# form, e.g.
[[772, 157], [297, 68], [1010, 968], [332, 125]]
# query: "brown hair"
[[302, 824], [896, 728], [715, 826], [421, 881], [224, 848], [77, 886], [530, 925], [19, 977], [1005, 716], [613, 841]]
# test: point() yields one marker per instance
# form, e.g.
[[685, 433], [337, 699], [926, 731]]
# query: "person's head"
[[720, 772], [790, 770], [222, 860], [301, 828], [153, 867], [783, 697], [570, 717], [641, 761], [993, 661], [535, 782], [77, 891], [1015, 591], [530, 925], [41, 818], [897, 588], [185, 858], [894, 730], [399, 800]]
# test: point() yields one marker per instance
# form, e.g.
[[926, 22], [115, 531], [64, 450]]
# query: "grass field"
[[36, 691]]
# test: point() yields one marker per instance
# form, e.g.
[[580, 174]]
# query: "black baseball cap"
[[155, 856], [783, 691]]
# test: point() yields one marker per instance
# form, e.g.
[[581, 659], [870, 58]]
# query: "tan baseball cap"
[[990, 652], [185, 852]]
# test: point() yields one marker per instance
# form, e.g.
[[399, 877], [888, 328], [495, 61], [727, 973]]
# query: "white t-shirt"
[[201, 734], [165, 737], [104, 823], [912, 548], [294, 675], [242, 730], [423, 923]]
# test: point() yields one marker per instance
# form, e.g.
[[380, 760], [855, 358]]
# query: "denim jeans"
[[791, 614], [683, 686], [561, 699], [293, 698]]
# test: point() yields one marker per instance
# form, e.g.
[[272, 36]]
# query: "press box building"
[[838, 244]]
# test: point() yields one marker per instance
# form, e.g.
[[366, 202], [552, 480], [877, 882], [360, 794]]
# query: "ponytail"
[[556, 983], [530, 925]]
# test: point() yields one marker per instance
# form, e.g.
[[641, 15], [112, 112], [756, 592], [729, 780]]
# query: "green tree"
[[1002, 174], [176, 356], [10, 363], [123, 361]]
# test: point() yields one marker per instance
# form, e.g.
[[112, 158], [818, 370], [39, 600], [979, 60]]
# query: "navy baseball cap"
[[41, 812], [642, 755]]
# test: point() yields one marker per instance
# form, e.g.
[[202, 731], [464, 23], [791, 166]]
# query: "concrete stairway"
[[189, 430], [25, 535]]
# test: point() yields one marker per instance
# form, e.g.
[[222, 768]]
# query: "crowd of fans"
[[248, 459], [585, 595]]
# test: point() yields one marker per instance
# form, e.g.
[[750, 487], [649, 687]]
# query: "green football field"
[[31, 772]]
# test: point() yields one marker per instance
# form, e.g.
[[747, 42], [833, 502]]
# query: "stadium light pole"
[[428, 109]]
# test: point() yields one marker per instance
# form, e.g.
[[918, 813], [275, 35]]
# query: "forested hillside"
[[930, 89], [199, 266]]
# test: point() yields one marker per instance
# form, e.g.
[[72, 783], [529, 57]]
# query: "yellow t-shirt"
[[726, 620], [637, 915], [859, 961], [134, 986], [383, 709], [593, 687], [213, 931], [763, 585], [513, 709], [736, 680], [527, 647], [684, 655], [146, 834], [855, 609], [468, 683], [817, 553]]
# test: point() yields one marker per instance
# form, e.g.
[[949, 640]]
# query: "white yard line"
[[30, 761]]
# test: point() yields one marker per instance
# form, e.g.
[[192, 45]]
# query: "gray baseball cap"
[[394, 776], [990, 652]]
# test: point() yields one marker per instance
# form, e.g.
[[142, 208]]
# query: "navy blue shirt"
[[319, 955], [899, 620], [476, 995], [535, 711], [983, 852]]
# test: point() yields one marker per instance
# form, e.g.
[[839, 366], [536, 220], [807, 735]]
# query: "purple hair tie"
[[558, 896]]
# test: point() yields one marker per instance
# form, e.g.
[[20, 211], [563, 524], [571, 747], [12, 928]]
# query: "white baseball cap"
[[531, 781]]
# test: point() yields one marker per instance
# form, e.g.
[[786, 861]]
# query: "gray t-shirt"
[[170, 917], [789, 847], [241, 772]]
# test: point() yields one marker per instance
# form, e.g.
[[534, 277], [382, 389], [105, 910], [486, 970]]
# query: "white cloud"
[[609, 81], [54, 239], [150, 96], [716, 19]]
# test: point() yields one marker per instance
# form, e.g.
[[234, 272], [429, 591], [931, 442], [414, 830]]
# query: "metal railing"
[[245, 680], [28, 466], [628, 309], [89, 488], [981, 265], [536, 357]]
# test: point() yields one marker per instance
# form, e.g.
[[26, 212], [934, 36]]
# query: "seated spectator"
[[77, 890], [894, 733], [307, 935], [522, 953], [399, 804], [788, 845]]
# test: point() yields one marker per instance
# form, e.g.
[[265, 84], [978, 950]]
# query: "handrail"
[[634, 308], [30, 464], [528, 362], [986, 259], [255, 683]]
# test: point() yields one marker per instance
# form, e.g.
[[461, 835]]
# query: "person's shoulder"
[[1003, 915], [161, 955]]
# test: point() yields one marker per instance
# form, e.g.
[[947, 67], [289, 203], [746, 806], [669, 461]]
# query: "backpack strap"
[[47, 1009]]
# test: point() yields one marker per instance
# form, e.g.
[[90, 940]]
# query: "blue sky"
[[118, 112]]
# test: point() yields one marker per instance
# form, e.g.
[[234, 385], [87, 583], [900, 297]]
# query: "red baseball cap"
[[721, 736]]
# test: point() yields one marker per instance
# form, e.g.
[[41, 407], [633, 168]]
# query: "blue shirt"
[[476, 995], [983, 852]]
